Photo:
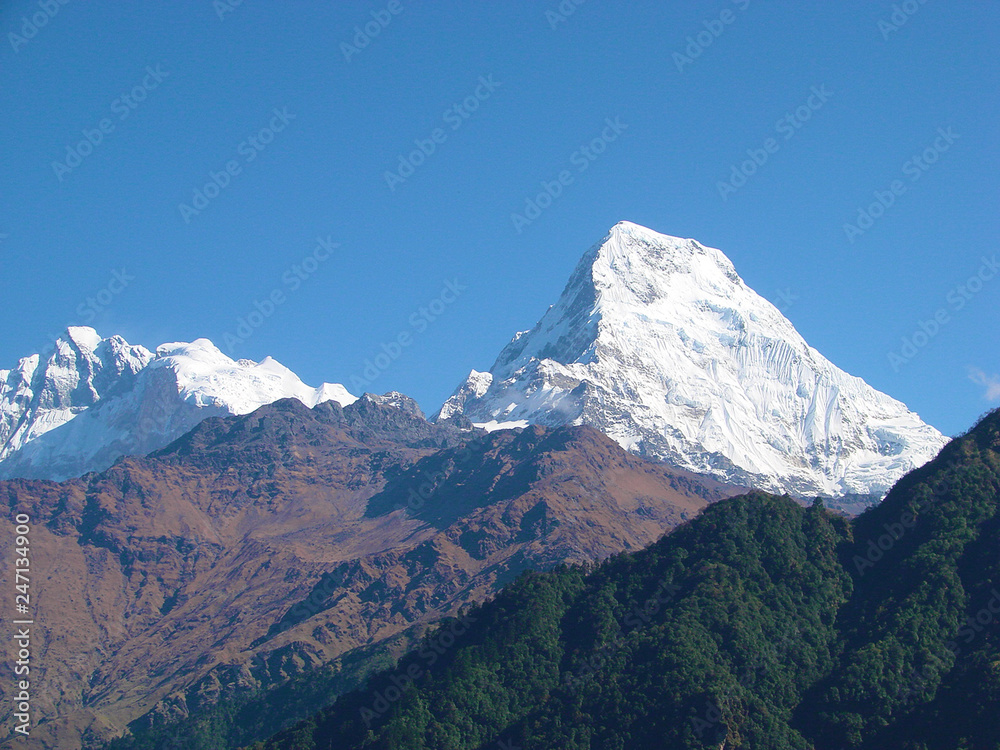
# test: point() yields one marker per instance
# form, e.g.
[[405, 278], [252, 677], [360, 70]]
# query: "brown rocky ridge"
[[257, 548]]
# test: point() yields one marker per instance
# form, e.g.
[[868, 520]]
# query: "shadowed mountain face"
[[256, 548]]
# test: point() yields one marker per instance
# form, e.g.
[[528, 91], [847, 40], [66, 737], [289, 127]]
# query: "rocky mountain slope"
[[256, 548], [87, 401], [657, 342]]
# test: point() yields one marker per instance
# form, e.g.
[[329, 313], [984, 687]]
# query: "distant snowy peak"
[[659, 343], [89, 400], [46, 390], [207, 377]]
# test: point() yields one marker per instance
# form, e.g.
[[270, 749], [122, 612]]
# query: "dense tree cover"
[[920, 666], [761, 624]]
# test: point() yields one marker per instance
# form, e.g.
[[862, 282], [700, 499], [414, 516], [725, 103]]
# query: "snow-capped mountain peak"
[[88, 400], [659, 343]]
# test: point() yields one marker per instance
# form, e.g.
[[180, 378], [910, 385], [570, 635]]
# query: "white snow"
[[493, 425], [659, 343], [476, 385], [207, 377], [90, 400], [84, 337]]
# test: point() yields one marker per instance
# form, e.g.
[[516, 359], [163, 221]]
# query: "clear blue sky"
[[64, 229]]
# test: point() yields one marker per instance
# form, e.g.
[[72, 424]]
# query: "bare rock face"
[[257, 547]]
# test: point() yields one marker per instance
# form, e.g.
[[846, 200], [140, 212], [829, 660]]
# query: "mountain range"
[[656, 341], [88, 400], [227, 550], [258, 548]]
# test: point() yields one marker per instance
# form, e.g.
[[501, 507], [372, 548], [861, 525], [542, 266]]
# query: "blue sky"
[[299, 119]]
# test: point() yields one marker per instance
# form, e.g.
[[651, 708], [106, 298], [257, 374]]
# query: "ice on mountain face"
[[46, 391], [493, 425], [659, 343], [475, 386], [207, 377], [89, 400]]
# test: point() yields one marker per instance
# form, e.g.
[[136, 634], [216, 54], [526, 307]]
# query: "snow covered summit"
[[657, 342], [88, 400]]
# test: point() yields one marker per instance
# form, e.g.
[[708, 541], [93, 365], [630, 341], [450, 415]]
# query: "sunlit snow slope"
[[89, 400], [657, 342]]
